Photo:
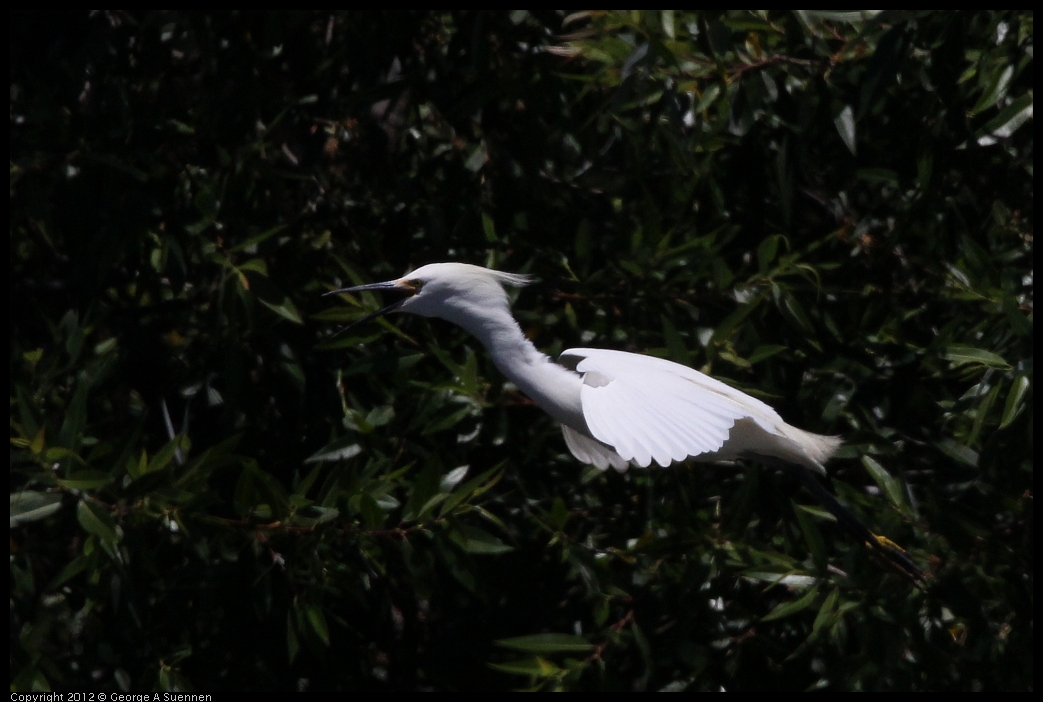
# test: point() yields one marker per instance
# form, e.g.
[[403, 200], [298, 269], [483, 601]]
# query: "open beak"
[[396, 285]]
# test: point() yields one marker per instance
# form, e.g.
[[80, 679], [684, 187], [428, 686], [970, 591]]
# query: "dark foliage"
[[211, 491]]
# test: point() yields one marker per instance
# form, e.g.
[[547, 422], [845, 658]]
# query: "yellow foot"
[[896, 556]]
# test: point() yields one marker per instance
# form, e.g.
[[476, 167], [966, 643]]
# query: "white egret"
[[616, 408]]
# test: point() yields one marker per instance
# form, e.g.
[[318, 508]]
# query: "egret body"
[[616, 408]]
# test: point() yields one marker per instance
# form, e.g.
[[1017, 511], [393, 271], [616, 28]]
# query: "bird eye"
[[416, 284]]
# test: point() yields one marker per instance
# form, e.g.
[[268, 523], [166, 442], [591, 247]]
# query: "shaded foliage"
[[211, 490]]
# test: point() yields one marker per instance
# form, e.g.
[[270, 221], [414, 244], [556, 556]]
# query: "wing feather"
[[602, 422], [664, 425], [590, 451], [649, 409]]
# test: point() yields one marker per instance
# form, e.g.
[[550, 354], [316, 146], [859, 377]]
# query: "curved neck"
[[555, 389]]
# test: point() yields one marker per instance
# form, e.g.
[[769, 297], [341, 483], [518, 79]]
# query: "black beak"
[[397, 285]]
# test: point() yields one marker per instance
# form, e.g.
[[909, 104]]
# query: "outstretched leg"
[[880, 545]]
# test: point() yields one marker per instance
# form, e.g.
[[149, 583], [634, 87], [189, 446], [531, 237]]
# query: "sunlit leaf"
[[30, 506], [340, 450], [451, 479], [961, 353], [845, 123], [1008, 121]]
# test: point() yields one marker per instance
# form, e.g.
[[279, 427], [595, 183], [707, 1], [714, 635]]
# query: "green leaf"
[[86, 480], [491, 518], [38, 442], [303, 486], [709, 97], [478, 541], [317, 621], [472, 488], [995, 90], [765, 351], [924, 167], [795, 311], [256, 265], [33, 357], [559, 514], [477, 158], [786, 609], [982, 412], [340, 450], [255, 240], [70, 571], [165, 454], [819, 513], [958, 452], [138, 468], [54, 454], [431, 503], [447, 421], [451, 479], [961, 354], [96, 520], [666, 17], [813, 537], [886, 176], [179, 654], [533, 667], [257, 490], [75, 419], [547, 643], [826, 611], [891, 486], [105, 347], [30, 506], [293, 644], [269, 295], [315, 515], [469, 374], [380, 416], [845, 124], [489, 227], [425, 486], [724, 330], [1015, 400], [1008, 121], [386, 502], [372, 515], [1019, 321], [203, 465], [674, 343], [179, 127], [766, 252]]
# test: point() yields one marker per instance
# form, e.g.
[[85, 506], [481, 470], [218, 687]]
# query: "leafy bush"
[[212, 490]]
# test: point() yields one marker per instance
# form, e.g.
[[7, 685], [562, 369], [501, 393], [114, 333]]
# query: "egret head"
[[457, 292]]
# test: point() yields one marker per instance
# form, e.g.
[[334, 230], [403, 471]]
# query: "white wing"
[[646, 409], [590, 451]]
